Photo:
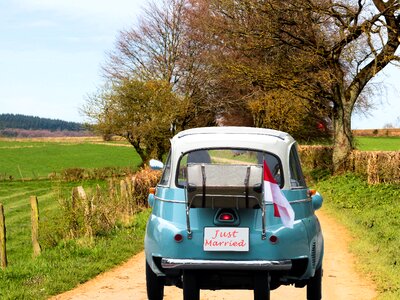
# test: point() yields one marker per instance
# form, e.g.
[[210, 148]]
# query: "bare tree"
[[160, 48], [354, 40], [151, 82], [322, 51]]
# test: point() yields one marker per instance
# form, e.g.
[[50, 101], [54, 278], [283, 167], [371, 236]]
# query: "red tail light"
[[178, 237], [226, 217], [273, 239]]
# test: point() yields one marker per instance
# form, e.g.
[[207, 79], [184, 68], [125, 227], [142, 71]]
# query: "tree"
[[251, 73], [159, 48], [142, 112], [353, 40], [322, 51], [152, 77]]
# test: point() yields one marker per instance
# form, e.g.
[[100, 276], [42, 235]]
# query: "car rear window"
[[226, 157]]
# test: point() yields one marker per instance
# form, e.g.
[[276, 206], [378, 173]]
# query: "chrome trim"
[[266, 203], [300, 201], [291, 201], [268, 265], [168, 200]]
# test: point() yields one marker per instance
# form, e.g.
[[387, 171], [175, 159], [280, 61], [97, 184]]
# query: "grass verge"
[[372, 214], [69, 262]]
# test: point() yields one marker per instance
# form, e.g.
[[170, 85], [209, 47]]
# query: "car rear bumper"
[[268, 265]]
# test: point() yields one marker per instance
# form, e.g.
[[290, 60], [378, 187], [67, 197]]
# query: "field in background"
[[37, 159], [377, 143]]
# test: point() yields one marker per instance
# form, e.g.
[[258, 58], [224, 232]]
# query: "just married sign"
[[226, 239]]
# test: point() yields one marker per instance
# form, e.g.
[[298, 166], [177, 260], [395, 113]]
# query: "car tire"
[[261, 286], [314, 286], [191, 289], [154, 284]]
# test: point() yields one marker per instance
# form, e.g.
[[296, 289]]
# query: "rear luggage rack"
[[224, 186]]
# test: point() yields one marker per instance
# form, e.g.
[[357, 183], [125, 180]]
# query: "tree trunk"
[[136, 144], [343, 144]]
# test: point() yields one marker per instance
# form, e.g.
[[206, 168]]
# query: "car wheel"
[[314, 286], [191, 289], [154, 284], [261, 286]]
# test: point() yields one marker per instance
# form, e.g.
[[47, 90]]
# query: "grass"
[[372, 214], [66, 263], [366, 143], [71, 262], [23, 160], [370, 143]]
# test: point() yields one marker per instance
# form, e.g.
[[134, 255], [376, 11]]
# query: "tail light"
[[178, 237], [273, 239], [226, 216]]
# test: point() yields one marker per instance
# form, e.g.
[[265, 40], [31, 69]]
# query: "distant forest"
[[22, 126], [8, 121]]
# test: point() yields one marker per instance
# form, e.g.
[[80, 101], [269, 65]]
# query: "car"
[[232, 211]]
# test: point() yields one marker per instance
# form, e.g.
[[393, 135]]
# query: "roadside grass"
[[34, 160], [367, 143], [70, 262], [372, 214], [63, 263]]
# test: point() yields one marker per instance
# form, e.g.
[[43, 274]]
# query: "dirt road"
[[340, 279]]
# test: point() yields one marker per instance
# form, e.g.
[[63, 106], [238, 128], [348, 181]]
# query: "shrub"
[[73, 174], [97, 211], [376, 166], [144, 179], [316, 157]]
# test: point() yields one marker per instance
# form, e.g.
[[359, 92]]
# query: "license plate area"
[[226, 239]]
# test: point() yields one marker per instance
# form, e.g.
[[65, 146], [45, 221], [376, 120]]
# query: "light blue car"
[[217, 222]]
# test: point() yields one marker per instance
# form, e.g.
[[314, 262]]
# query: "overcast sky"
[[51, 52]]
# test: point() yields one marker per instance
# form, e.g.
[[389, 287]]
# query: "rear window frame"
[[178, 185], [294, 154]]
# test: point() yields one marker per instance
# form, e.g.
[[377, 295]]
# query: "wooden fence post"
[[124, 189], [3, 252], [80, 194], [124, 194], [35, 226]]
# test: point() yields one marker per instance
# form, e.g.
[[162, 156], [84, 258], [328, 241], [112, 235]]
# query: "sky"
[[51, 53]]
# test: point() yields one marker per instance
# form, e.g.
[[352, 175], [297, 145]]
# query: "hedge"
[[375, 166]]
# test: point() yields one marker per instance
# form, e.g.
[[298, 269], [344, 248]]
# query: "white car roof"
[[232, 137]]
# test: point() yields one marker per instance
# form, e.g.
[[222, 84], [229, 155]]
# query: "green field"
[[64, 263], [33, 160], [366, 143]]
